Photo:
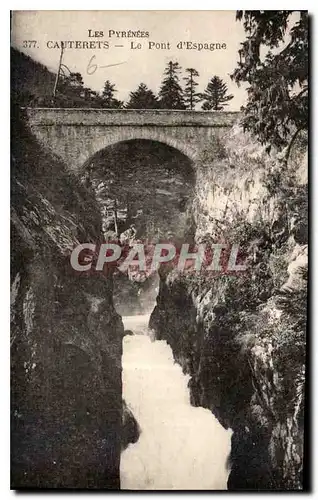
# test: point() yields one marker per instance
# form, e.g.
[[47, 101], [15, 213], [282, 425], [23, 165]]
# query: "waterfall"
[[180, 446]]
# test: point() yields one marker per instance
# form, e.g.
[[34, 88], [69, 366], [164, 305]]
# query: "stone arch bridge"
[[76, 135]]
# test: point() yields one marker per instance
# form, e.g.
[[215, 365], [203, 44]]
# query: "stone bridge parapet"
[[77, 134]]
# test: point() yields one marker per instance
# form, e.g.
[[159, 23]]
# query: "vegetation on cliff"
[[242, 338]]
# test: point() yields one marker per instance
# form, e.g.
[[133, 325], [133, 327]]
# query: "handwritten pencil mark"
[[92, 67]]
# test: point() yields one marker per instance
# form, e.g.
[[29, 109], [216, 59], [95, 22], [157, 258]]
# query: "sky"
[[137, 65]]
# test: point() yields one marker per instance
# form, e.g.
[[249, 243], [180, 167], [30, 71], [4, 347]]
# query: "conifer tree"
[[191, 97], [142, 98], [216, 95], [171, 93], [107, 99]]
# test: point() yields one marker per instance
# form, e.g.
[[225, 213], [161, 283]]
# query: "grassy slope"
[[32, 85]]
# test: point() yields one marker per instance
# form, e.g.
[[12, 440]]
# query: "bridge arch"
[[103, 142], [143, 187], [147, 178]]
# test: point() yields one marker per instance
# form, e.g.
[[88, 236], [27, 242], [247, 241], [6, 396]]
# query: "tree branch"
[[293, 139], [302, 92]]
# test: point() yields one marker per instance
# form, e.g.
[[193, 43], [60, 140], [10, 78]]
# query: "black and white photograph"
[[159, 250]]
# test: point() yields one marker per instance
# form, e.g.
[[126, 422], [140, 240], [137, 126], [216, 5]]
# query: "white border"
[[4, 197], [162, 5]]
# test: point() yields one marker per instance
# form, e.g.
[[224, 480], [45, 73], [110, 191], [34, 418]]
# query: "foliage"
[[29, 79], [191, 97], [142, 98], [216, 95], [293, 303], [277, 105], [72, 92], [107, 99], [171, 93], [32, 84], [71, 83]]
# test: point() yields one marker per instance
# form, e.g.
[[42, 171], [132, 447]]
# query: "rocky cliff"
[[242, 337], [66, 340]]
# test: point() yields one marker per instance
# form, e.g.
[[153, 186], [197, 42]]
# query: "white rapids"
[[180, 447]]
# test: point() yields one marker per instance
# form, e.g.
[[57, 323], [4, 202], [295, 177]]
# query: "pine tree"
[[171, 93], [108, 100], [216, 95], [191, 97], [142, 98], [277, 104]]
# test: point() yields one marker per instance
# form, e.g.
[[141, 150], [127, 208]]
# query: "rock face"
[[131, 429], [242, 338], [66, 341]]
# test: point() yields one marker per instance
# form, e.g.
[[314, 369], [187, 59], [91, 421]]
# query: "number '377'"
[[29, 44]]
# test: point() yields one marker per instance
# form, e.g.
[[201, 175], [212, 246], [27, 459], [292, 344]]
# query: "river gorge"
[[211, 369]]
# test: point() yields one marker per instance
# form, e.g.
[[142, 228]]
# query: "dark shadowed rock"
[[66, 335], [128, 332], [131, 430]]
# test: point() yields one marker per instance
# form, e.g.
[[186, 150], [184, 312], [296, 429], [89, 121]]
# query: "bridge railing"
[[132, 117]]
